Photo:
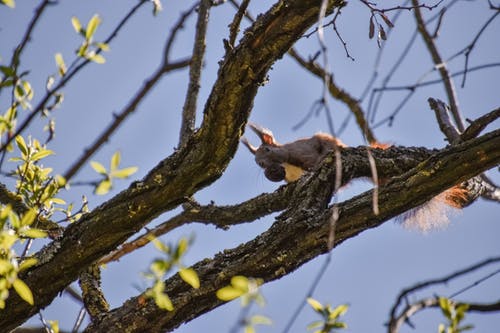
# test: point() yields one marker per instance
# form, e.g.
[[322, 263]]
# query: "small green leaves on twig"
[[14, 229], [330, 316], [61, 66], [454, 313], [89, 49], [241, 286], [105, 185], [160, 267]]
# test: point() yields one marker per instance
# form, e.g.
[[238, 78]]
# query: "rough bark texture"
[[301, 233], [298, 235], [199, 163]]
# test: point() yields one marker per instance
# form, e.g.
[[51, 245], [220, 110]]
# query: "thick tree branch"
[[391, 162], [301, 233], [199, 163]]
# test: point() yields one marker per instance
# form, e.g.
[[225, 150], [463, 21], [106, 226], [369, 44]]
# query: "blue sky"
[[366, 272]]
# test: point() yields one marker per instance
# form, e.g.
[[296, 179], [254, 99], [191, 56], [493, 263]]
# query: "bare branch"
[[16, 58], [301, 233], [478, 125], [433, 302], [394, 324], [234, 27], [440, 65], [93, 297], [441, 110], [189, 109], [337, 93]]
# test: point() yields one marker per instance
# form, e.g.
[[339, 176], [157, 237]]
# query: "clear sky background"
[[366, 272]]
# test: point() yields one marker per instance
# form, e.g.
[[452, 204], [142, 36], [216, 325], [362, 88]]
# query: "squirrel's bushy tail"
[[434, 214]]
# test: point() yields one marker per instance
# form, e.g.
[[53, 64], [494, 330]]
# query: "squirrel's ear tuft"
[[265, 135], [249, 145]]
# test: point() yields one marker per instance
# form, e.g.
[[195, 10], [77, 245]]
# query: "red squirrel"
[[289, 162]]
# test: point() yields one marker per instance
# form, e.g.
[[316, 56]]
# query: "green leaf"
[[7, 71], [315, 324], [249, 329], [54, 325], [260, 320], [97, 58], [102, 46], [25, 264], [21, 144], [115, 161], [61, 66], [98, 167], [29, 217], [76, 24], [445, 306], [163, 302], [317, 306], [229, 293], [23, 291], [190, 277], [181, 247], [82, 50], [124, 173], [92, 26], [41, 154], [240, 282], [159, 245], [9, 3], [33, 233], [338, 311], [103, 187]]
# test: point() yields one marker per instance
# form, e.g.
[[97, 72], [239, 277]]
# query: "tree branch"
[[391, 162], [440, 65], [394, 322], [337, 93], [199, 163], [189, 109], [301, 233], [66, 78], [433, 302]]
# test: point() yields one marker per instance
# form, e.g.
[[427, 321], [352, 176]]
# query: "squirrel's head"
[[270, 155]]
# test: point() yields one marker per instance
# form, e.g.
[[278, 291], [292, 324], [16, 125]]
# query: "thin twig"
[[309, 293], [79, 320], [478, 125], [440, 65], [189, 109], [406, 292], [441, 111], [337, 93], [234, 27], [66, 78], [433, 302], [16, 58], [221, 217]]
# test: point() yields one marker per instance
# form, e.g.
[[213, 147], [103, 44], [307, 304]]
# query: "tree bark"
[[199, 163], [301, 233]]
